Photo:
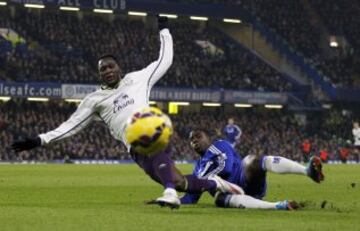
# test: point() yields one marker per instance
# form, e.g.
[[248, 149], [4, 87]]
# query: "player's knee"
[[253, 168], [253, 161]]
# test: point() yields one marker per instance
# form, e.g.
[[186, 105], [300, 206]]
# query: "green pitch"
[[99, 197]]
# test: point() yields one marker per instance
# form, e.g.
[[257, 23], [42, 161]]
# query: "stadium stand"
[[66, 52], [293, 23], [58, 47], [264, 131], [345, 21]]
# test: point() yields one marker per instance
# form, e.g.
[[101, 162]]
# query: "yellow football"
[[148, 131]]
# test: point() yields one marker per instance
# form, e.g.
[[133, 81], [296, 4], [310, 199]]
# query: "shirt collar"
[[104, 87]]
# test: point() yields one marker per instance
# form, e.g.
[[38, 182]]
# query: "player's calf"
[[245, 201]]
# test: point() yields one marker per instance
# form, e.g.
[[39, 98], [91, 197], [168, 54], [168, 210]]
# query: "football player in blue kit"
[[232, 132], [219, 158]]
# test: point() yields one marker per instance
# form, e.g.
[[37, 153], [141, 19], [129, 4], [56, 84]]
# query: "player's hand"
[[26, 144], [163, 22]]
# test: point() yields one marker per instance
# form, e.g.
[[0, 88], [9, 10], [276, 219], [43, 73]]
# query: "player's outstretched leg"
[[283, 165], [225, 186], [245, 201], [163, 167], [192, 184], [160, 168]]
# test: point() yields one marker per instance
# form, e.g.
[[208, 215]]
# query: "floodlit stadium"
[[263, 98]]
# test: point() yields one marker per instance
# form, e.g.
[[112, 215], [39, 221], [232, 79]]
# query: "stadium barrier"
[[108, 162], [22, 90], [79, 91]]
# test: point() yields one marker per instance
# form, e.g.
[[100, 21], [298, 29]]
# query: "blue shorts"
[[257, 188]]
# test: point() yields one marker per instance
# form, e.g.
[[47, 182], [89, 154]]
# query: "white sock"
[[245, 201], [279, 164]]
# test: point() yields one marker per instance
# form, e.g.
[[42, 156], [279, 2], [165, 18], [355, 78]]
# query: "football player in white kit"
[[356, 134], [116, 101]]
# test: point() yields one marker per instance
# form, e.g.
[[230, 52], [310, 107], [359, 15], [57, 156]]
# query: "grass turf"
[[110, 197]]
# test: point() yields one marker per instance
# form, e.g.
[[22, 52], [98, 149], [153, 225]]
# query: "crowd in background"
[[64, 48], [264, 132], [344, 22], [54, 46], [295, 23], [344, 18]]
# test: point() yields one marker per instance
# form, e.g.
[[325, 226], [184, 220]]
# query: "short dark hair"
[[109, 56], [199, 129]]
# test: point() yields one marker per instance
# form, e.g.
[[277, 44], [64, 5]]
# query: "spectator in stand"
[[324, 155], [306, 150], [344, 154]]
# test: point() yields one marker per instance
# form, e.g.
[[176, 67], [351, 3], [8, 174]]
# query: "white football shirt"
[[115, 106], [356, 133]]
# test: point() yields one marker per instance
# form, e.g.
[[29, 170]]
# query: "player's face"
[[356, 125], [199, 141], [109, 70], [231, 121]]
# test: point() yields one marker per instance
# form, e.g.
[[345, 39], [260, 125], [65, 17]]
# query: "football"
[[148, 131]]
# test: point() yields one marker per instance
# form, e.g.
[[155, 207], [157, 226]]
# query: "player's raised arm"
[[158, 68], [79, 120]]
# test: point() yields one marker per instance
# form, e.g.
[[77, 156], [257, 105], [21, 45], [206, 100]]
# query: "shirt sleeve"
[[157, 69], [239, 132], [84, 114]]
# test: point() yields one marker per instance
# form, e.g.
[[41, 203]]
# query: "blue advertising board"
[[79, 91], [20, 90]]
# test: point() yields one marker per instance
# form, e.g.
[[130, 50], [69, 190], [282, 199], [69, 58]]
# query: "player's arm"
[[158, 68], [79, 120], [218, 161], [239, 132]]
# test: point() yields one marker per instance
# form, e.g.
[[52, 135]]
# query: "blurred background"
[[287, 73]]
